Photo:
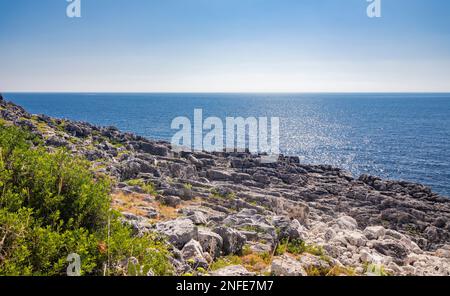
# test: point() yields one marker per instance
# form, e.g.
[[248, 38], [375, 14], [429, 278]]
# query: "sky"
[[225, 46]]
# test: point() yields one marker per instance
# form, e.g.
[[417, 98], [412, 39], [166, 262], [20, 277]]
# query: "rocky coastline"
[[230, 214]]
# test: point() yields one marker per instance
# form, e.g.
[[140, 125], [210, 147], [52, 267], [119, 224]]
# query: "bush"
[[52, 205], [148, 188], [297, 247]]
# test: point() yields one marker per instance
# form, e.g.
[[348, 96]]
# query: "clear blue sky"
[[224, 45]]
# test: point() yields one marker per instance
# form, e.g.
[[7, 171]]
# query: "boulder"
[[233, 241], [198, 218], [179, 231], [287, 266], [218, 175], [77, 129], [374, 232], [392, 249], [153, 149], [346, 223], [193, 253], [261, 178], [56, 141], [291, 229], [211, 242], [292, 209], [309, 261], [235, 270], [171, 201], [355, 238]]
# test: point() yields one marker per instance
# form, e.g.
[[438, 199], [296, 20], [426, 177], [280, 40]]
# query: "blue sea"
[[395, 136]]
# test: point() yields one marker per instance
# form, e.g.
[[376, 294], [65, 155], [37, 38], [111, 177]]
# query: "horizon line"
[[225, 92]]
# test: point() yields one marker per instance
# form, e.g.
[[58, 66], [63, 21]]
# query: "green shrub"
[[52, 205], [148, 188], [225, 261], [297, 247]]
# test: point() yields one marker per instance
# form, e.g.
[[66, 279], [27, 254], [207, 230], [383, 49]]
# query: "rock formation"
[[211, 205]]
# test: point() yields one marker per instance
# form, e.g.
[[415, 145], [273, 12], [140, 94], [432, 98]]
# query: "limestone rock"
[[287, 266], [179, 231], [235, 270], [233, 241]]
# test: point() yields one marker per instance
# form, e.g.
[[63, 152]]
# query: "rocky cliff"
[[231, 214]]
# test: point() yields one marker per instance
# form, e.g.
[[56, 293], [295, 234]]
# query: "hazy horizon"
[[224, 92], [226, 46]]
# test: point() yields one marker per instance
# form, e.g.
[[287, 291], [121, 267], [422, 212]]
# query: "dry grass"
[[128, 203], [132, 203], [341, 271], [166, 213], [256, 262]]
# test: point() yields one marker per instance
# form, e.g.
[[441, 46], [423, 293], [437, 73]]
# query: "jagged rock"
[[287, 266], [179, 231], [346, 222], [56, 142], [235, 270], [392, 249], [291, 229], [233, 241], [374, 232], [154, 149], [77, 129], [216, 175], [197, 163], [171, 201], [261, 178], [198, 218], [260, 247], [293, 209], [130, 216], [193, 252], [309, 261], [355, 238], [131, 168], [371, 257], [211, 242]]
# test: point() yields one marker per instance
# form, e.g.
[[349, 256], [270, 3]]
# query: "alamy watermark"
[[74, 267], [74, 8], [237, 134], [374, 8]]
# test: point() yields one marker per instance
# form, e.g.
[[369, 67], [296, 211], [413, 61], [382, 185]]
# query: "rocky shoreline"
[[231, 214]]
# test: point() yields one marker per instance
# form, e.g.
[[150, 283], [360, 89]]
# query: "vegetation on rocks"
[[200, 213], [297, 247], [52, 205], [148, 188]]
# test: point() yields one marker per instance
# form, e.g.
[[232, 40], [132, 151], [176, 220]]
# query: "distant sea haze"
[[395, 136]]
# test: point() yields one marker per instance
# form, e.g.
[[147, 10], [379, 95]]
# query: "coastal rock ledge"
[[231, 214]]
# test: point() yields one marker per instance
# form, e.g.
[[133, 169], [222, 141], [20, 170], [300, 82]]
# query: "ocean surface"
[[395, 136]]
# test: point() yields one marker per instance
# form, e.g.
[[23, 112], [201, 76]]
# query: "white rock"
[[235, 270], [346, 223], [193, 251], [286, 266], [355, 238], [374, 232], [211, 242], [179, 231]]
